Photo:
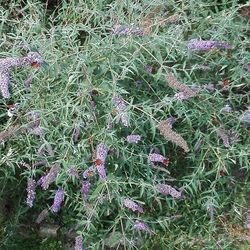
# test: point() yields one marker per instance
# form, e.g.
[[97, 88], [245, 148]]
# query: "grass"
[[86, 65]]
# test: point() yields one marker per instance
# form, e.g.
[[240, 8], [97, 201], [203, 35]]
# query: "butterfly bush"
[[133, 138], [175, 84], [168, 190], [78, 242], [85, 187], [31, 187], [127, 30], [73, 172], [42, 216], [50, 177], [121, 110], [132, 205], [205, 45], [169, 134], [153, 157], [58, 199], [101, 154], [8, 63], [141, 226]]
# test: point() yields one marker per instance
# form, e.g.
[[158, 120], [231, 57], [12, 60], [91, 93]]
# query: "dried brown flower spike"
[[169, 134], [175, 84]]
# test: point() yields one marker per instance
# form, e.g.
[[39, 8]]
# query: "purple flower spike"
[[133, 138], [50, 177], [101, 171], [121, 110], [168, 190], [78, 242], [127, 30], [73, 172], [101, 152], [58, 199], [132, 205], [31, 192], [42, 216], [181, 96], [205, 45], [158, 158], [85, 187], [141, 226]]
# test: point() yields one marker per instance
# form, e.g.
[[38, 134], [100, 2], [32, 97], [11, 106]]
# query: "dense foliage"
[[113, 69]]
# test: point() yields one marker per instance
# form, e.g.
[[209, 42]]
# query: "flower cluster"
[[101, 154], [6, 65], [73, 172], [31, 187], [121, 110], [133, 138], [127, 30], [58, 199], [43, 215], [46, 180], [169, 134], [175, 84], [158, 158], [204, 45], [78, 242], [85, 187], [132, 205], [168, 190], [141, 226]]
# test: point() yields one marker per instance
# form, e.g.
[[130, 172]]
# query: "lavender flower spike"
[[127, 30], [42, 216], [31, 192], [121, 110], [157, 158], [6, 65], [102, 172], [168, 190], [85, 187], [101, 152], [78, 242], [133, 138], [141, 226], [205, 45], [50, 177], [132, 205], [58, 199]]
